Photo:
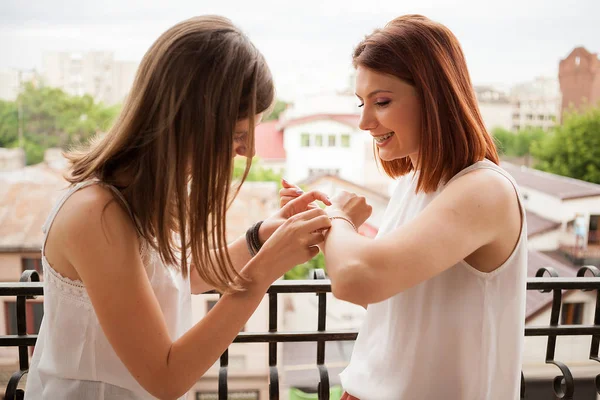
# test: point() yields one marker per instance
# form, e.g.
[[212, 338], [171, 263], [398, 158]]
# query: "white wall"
[[496, 115], [547, 241], [350, 160]]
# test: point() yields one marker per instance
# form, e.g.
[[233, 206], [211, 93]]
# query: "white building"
[[536, 104], [11, 80], [96, 73], [495, 107]]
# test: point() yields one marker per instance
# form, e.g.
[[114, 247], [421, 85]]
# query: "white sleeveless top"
[[456, 336], [73, 359]]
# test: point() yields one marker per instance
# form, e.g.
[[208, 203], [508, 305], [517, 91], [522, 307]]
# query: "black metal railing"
[[546, 280]]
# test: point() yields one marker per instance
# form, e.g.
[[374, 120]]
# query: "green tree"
[[573, 149], [9, 129], [52, 118], [257, 173], [517, 144], [278, 108]]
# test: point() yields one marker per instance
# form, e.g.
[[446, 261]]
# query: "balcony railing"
[[546, 280]]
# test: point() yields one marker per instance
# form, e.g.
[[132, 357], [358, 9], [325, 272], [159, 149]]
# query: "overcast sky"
[[308, 42]]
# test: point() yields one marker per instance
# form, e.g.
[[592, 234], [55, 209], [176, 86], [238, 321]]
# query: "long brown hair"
[[428, 56], [174, 141]]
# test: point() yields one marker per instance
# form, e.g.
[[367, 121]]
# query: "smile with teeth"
[[383, 138]]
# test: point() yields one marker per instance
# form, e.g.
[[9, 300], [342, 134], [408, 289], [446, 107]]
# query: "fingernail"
[[283, 179], [299, 191]]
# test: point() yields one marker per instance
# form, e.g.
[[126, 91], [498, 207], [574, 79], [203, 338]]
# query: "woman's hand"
[[295, 240], [286, 195], [351, 206]]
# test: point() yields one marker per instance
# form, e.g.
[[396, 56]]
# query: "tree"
[[573, 149], [517, 144], [51, 118], [257, 173], [9, 129], [278, 108]]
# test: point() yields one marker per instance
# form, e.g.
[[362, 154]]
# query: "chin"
[[391, 155]]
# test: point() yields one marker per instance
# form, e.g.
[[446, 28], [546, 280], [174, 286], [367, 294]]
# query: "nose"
[[367, 121]]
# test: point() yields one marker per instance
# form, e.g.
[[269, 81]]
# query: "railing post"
[[595, 337], [563, 386], [323, 387], [273, 373], [12, 391]]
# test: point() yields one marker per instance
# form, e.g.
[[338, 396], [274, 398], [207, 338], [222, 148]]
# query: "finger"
[[304, 200], [315, 238], [284, 200], [318, 223], [290, 192], [310, 214], [313, 251], [288, 185]]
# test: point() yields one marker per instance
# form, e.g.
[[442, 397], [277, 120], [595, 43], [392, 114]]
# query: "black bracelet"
[[252, 239]]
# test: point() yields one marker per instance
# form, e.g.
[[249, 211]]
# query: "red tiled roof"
[[347, 119], [26, 198], [269, 141]]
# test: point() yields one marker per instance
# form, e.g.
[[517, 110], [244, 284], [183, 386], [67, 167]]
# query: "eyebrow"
[[374, 92]]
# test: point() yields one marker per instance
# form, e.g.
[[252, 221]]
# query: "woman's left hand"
[[288, 193]]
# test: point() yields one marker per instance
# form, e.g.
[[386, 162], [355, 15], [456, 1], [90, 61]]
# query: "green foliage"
[[573, 149], [517, 144], [301, 271], [278, 108], [257, 173], [52, 118]]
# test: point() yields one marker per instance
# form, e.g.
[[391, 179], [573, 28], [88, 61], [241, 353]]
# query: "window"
[[305, 140], [541, 117], [31, 263], [345, 140], [319, 140], [516, 127], [331, 141], [572, 314], [516, 116], [529, 117]]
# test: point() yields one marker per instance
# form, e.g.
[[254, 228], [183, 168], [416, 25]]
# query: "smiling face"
[[391, 112]]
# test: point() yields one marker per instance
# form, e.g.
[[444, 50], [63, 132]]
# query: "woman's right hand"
[[350, 206], [296, 240]]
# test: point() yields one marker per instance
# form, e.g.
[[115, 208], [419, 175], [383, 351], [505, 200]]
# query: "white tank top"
[[73, 359], [457, 336]]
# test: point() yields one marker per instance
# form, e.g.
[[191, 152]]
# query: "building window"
[[345, 140], [529, 117], [572, 314], [516, 127], [331, 141], [305, 140], [516, 116], [31, 263], [319, 140], [541, 117]]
